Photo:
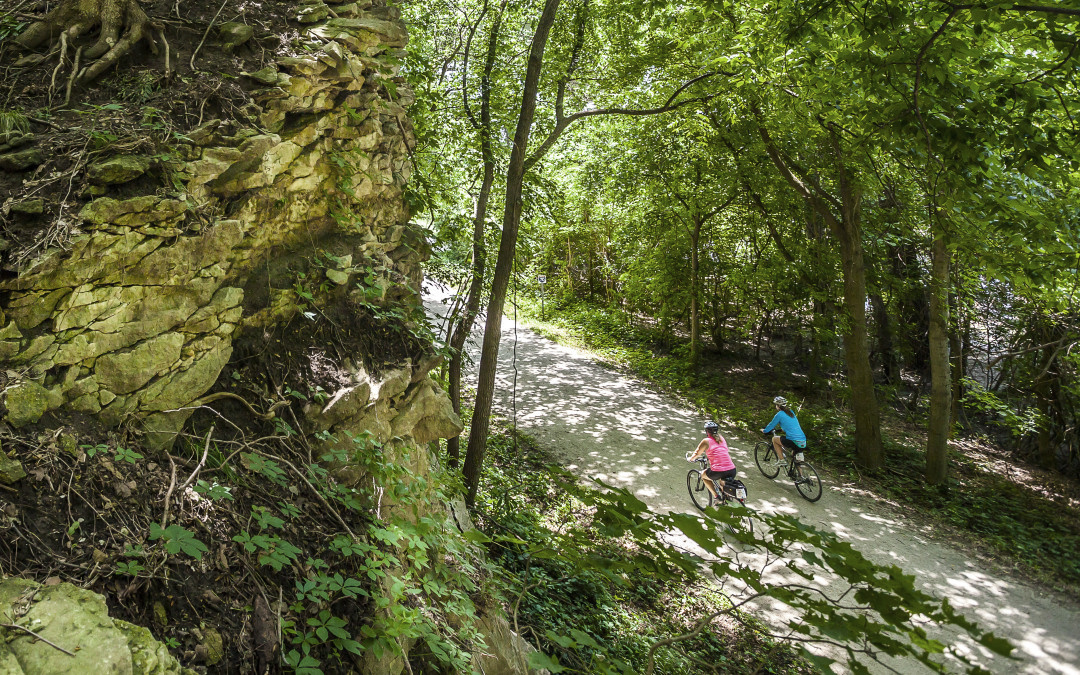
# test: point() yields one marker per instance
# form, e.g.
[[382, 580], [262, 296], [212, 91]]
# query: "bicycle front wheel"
[[807, 482], [699, 492], [767, 461]]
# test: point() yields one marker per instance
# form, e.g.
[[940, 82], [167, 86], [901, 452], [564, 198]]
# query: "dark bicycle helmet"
[[711, 427], [780, 400]]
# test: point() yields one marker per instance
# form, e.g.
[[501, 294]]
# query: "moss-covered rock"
[[29, 207], [119, 169], [26, 402], [124, 372], [11, 470], [233, 34], [21, 160], [78, 621]]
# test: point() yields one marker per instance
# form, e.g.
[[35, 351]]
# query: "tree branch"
[[816, 202], [563, 122], [575, 55], [918, 77], [465, 68]]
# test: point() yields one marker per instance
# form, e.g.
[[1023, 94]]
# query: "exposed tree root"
[[123, 24]]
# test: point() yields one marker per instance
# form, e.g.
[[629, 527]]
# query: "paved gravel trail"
[[603, 424]]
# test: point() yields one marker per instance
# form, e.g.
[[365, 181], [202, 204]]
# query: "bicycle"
[[702, 496], [799, 470]]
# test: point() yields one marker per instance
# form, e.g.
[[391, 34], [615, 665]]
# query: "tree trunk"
[[889, 364], [1044, 394], [848, 231], [956, 355], [695, 310], [479, 252], [856, 345], [937, 433], [515, 175]]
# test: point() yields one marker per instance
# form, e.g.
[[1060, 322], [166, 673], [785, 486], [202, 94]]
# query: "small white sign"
[[542, 279]]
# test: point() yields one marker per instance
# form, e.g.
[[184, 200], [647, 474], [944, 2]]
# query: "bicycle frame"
[[727, 493]]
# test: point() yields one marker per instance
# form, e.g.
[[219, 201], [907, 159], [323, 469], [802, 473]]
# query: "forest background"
[[871, 209], [879, 201]]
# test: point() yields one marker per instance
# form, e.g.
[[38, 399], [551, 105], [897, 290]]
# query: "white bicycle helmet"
[[780, 400]]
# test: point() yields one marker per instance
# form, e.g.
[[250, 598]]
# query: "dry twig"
[[71, 78], [168, 66], [202, 462], [168, 493], [45, 640], [196, 52], [59, 64]]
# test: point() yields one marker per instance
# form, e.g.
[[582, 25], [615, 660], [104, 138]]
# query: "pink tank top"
[[719, 458]]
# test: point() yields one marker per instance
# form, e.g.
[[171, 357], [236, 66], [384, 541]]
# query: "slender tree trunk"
[[1044, 394], [937, 433], [479, 252], [847, 229], [856, 345], [956, 355], [695, 310], [885, 348], [515, 175]]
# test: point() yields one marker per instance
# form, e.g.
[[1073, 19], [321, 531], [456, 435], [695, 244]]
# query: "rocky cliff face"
[[255, 269], [299, 217]]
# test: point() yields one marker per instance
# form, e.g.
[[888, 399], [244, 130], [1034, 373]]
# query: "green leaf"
[[996, 644], [540, 660]]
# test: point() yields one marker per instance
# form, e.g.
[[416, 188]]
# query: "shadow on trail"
[[603, 424]]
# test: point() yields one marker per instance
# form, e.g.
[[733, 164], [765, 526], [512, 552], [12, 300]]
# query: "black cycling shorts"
[[722, 475], [788, 443]]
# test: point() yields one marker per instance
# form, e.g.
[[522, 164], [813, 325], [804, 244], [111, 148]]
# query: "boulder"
[[346, 403], [233, 34], [21, 160], [426, 414], [506, 653], [116, 170], [26, 402], [11, 470], [76, 620], [182, 387], [29, 207]]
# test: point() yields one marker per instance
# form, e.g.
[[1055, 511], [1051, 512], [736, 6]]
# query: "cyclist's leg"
[[776, 441], [793, 448], [711, 477]]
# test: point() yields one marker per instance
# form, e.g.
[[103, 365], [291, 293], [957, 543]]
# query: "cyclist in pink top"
[[721, 468]]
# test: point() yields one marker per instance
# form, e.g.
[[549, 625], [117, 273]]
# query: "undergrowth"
[[1027, 531], [570, 592]]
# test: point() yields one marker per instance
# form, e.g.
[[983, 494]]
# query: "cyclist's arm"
[[701, 448], [772, 424]]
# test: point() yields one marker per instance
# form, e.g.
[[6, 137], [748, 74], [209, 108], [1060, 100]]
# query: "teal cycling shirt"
[[789, 424]]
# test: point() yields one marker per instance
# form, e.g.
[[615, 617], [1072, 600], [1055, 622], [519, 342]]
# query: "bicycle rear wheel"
[[767, 461], [699, 492], [746, 522], [807, 482]]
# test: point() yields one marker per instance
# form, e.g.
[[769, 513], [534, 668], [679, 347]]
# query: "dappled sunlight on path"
[[605, 425]]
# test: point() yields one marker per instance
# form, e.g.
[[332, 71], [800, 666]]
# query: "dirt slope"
[[603, 424]]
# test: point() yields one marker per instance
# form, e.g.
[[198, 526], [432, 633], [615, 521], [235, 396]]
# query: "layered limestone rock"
[[134, 319]]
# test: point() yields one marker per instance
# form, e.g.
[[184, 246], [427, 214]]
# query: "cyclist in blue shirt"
[[785, 421]]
